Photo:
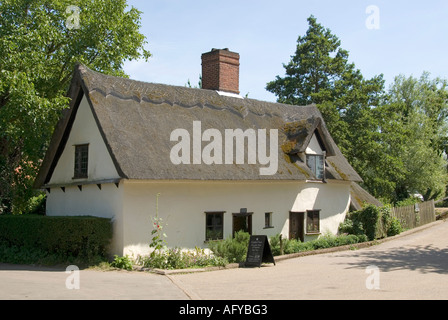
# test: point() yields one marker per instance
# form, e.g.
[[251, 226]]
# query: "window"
[[316, 163], [312, 221], [214, 225], [268, 220], [81, 161]]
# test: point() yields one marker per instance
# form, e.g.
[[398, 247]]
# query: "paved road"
[[414, 266], [411, 267]]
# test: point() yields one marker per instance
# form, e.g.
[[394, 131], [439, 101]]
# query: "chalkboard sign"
[[259, 251]]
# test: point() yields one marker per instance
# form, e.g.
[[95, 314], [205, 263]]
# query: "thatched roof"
[[360, 197], [136, 119]]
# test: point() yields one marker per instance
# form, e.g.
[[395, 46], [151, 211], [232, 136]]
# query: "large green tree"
[[413, 132], [395, 140], [320, 72], [40, 43]]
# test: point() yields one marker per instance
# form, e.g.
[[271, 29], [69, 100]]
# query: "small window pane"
[[319, 167], [316, 164], [214, 226], [268, 220], [81, 161], [312, 221]]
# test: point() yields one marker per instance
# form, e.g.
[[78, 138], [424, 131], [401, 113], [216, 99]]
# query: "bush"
[[82, 237], [351, 226], [370, 217], [289, 245], [395, 227], [122, 262], [373, 222], [232, 249], [325, 241], [176, 258]]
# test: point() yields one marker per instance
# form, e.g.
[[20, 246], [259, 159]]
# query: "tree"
[[40, 43], [319, 73], [414, 131], [312, 72], [396, 141]]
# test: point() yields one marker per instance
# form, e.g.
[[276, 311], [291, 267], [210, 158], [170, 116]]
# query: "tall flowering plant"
[[158, 241]]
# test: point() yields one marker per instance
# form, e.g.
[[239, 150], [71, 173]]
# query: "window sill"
[[80, 178], [316, 181], [270, 227], [312, 233], [214, 240]]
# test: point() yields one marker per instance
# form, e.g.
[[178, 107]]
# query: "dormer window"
[[81, 161], [316, 162]]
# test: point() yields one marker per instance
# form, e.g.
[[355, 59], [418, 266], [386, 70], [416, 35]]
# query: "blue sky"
[[412, 37]]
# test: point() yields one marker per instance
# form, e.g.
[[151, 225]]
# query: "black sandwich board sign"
[[259, 251]]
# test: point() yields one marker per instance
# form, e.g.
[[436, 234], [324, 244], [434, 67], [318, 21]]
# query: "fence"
[[415, 215]]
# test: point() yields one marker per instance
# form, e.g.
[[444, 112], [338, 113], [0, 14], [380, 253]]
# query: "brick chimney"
[[220, 70]]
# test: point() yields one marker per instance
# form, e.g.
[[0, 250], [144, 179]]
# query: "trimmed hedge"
[[81, 236]]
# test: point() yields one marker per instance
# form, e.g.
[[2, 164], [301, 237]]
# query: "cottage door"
[[296, 222], [242, 222]]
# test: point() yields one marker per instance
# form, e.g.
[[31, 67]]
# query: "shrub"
[[232, 249], [274, 242], [289, 245], [373, 222], [351, 226], [176, 258], [84, 237], [395, 227], [122, 262], [322, 242], [325, 241], [370, 218]]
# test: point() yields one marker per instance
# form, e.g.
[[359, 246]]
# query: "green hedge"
[[66, 236]]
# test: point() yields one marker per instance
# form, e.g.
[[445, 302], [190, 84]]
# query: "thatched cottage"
[[220, 162]]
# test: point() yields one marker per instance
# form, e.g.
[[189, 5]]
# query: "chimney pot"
[[220, 70]]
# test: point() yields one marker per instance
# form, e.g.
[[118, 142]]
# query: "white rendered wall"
[[90, 201], [106, 202], [84, 131], [182, 205], [314, 146]]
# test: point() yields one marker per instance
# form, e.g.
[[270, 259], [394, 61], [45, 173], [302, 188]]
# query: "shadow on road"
[[426, 259]]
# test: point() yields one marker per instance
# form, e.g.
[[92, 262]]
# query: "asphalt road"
[[413, 266]]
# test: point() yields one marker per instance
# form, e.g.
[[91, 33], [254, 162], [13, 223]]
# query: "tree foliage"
[[414, 134], [396, 139], [39, 47]]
